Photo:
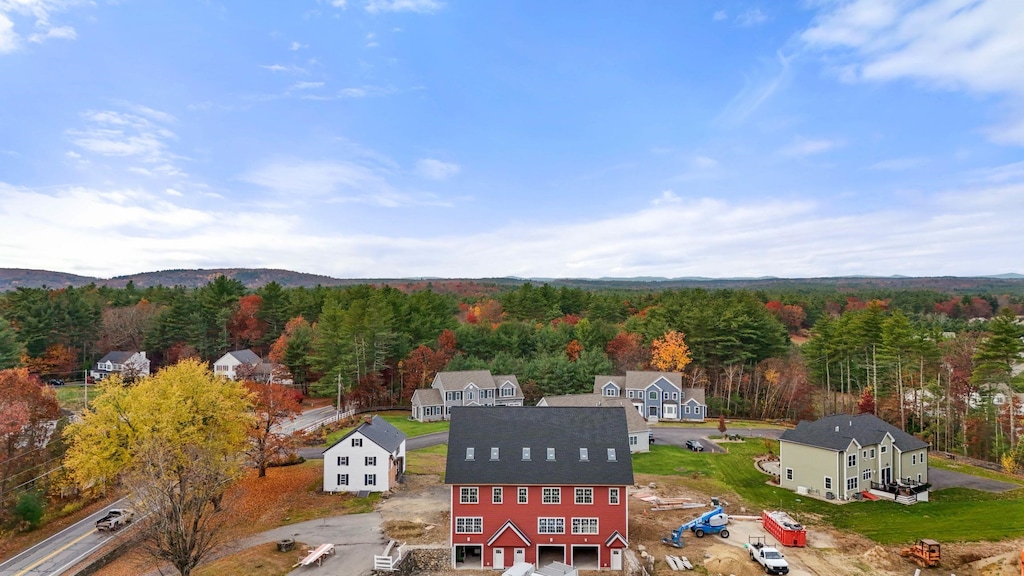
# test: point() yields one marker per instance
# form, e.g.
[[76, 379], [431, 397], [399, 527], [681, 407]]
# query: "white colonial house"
[[129, 364], [227, 364], [369, 458]]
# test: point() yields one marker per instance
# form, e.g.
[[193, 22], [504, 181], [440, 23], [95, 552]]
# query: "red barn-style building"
[[538, 485]]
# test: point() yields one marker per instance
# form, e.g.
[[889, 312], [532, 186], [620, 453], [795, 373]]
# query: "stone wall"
[[421, 560]]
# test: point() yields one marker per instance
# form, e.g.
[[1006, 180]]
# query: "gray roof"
[[693, 393], [836, 431], [460, 379], [245, 356], [565, 429], [427, 397], [643, 379], [600, 381], [380, 432], [117, 357], [634, 421]]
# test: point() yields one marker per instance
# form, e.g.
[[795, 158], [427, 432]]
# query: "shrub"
[[29, 509]]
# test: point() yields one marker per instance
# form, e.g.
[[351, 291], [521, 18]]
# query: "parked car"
[[695, 445], [115, 520], [55, 382]]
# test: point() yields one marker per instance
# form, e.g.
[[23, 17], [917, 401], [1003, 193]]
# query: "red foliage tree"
[[26, 409], [626, 351], [422, 364], [791, 315], [573, 350], [866, 404], [245, 327], [273, 404]]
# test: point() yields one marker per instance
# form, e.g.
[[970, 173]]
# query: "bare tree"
[[179, 495]]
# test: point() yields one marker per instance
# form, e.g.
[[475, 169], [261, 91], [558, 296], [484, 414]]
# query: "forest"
[[942, 365]]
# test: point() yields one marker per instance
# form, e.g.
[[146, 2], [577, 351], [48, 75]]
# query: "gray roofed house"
[[637, 427], [843, 455], [464, 388], [554, 437], [370, 457], [656, 395], [129, 364], [229, 362]]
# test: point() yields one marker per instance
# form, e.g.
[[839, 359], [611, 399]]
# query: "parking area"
[[941, 478], [678, 436]]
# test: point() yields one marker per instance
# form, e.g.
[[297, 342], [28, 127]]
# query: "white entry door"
[[616, 559], [519, 555], [499, 558]]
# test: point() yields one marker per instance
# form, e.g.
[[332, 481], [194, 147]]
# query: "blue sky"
[[455, 138]]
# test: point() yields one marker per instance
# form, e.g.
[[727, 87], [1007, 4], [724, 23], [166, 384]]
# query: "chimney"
[[368, 418]]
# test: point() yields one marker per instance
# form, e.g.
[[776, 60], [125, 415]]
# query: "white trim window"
[[523, 495], [584, 495], [866, 475], [469, 525], [613, 496], [851, 483], [551, 525], [851, 460], [496, 494], [913, 459], [469, 495], [551, 495], [584, 525]]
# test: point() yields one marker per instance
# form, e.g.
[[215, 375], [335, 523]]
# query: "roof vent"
[[551, 453], [526, 452], [837, 428], [611, 454], [584, 455], [494, 453], [469, 452]]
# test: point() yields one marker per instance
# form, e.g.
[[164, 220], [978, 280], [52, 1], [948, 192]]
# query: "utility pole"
[[339, 395], [85, 387]]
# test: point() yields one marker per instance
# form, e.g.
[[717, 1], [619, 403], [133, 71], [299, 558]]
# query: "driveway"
[[678, 436], [941, 478]]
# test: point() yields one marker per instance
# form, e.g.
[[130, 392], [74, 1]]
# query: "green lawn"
[[401, 421], [72, 397], [951, 515]]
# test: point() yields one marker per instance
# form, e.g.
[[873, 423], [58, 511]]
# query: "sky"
[[459, 138]]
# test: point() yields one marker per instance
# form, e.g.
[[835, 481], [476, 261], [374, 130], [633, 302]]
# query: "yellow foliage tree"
[[670, 352], [181, 407]]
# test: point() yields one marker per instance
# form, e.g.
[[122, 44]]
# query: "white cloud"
[[704, 162], [436, 169], [306, 85], [336, 181], [972, 45], [173, 192], [62, 32], [138, 135], [756, 92], [297, 46], [720, 15], [421, 6], [751, 17], [338, 3], [809, 146], [282, 68], [8, 37], [667, 197]]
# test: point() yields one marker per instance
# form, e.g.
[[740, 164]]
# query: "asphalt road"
[[60, 552], [678, 436], [307, 418]]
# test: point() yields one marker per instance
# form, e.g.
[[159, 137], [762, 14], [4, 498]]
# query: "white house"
[[226, 364], [370, 458], [129, 364]]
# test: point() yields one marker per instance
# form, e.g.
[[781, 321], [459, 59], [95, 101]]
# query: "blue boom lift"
[[711, 522]]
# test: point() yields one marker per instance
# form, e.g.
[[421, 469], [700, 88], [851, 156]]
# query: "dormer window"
[[551, 453], [494, 453], [583, 455], [470, 451], [611, 454], [526, 452]]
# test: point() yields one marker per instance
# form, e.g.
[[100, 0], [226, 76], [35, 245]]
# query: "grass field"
[[954, 514], [262, 560], [400, 420], [72, 396], [428, 461]]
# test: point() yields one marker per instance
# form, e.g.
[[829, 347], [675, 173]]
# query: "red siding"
[[611, 518]]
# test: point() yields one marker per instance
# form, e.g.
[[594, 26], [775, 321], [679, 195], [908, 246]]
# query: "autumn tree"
[[670, 353], [626, 351], [175, 439], [26, 410], [422, 364], [246, 327], [126, 327], [573, 350], [292, 350], [272, 404]]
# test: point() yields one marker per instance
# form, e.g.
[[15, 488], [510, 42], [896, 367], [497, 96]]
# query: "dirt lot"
[[418, 514]]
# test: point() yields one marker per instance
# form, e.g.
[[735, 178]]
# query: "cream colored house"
[[841, 456]]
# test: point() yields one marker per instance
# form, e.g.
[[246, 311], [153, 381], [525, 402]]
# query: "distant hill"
[[13, 278]]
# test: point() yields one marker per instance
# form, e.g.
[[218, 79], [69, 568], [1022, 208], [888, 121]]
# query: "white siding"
[[357, 469]]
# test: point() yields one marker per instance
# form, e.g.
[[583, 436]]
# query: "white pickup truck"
[[115, 519], [768, 557]]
